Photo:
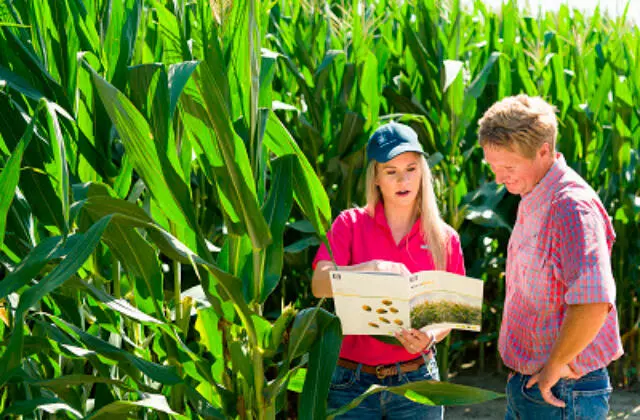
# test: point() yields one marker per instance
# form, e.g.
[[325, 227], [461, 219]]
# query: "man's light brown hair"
[[520, 124]]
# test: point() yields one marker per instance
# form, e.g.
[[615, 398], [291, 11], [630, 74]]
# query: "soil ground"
[[625, 404]]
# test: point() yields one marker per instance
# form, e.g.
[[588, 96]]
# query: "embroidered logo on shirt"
[[424, 246]]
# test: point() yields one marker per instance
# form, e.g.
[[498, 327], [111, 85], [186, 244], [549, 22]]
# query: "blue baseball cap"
[[391, 140]]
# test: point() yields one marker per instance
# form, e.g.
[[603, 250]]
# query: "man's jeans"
[[347, 384], [585, 398]]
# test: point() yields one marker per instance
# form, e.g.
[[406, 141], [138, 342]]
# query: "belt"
[[382, 371]]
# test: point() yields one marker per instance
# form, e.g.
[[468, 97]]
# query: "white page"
[[370, 303], [374, 303], [443, 299]]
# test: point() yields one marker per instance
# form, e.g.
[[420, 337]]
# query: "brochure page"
[[374, 303]]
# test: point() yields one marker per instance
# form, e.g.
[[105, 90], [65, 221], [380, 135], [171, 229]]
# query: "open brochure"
[[375, 303]]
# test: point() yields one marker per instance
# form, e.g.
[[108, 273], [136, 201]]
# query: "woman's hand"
[[384, 267], [438, 333], [321, 283], [415, 341]]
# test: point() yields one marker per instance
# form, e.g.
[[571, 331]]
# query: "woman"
[[399, 231]]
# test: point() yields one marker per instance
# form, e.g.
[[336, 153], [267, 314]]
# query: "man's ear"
[[545, 150]]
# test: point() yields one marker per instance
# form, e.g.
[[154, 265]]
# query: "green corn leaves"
[[167, 170]]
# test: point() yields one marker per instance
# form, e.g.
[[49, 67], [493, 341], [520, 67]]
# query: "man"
[[560, 327]]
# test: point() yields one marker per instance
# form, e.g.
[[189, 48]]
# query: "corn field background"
[[169, 167]]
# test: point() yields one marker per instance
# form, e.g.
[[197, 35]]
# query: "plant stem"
[[177, 290], [115, 278], [177, 393], [177, 282], [258, 369], [117, 293], [258, 278], [258, 362]]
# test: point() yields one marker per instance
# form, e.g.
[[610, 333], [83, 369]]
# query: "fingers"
[[438, 334], [382, 266], [442, 334], [390, 267], [545, 391], [414, 341], [548, 396], [404, 270]]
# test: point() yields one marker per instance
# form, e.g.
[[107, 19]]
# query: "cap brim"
[[398, 150]]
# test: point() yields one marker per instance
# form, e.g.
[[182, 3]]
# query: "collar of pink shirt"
[[538, 198], [381, 220]]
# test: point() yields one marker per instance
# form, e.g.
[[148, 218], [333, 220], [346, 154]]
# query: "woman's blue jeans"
[[347, 384], [585, 398]]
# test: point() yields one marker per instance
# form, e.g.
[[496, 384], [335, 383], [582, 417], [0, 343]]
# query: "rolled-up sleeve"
[[582, 253]]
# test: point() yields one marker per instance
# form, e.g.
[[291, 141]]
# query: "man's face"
[[518, 173]]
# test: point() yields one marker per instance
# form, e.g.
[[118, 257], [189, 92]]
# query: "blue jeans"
[[585, 398], [347, 384]]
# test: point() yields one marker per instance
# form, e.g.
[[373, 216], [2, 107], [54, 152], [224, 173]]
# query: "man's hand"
[[547, 378]]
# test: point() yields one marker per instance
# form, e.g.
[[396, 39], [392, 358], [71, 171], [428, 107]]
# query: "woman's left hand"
[[414, 341]]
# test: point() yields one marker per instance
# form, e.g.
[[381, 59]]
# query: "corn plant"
[[148, 183], [437, 67]]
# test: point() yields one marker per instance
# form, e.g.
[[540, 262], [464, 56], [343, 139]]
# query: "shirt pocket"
[[532, 251], [533, 270]]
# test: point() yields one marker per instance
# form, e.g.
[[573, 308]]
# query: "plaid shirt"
[[559, 254]]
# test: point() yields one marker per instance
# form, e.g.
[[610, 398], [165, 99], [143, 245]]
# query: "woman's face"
[[399, 180]]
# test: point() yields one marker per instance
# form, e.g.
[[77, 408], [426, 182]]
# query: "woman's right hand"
[[384, 267], [321, 284]]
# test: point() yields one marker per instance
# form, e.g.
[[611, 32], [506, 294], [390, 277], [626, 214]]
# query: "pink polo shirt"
[[559, 254], [355, 237]]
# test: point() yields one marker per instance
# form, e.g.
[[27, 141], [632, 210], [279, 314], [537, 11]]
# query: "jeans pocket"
[[591, 405], [534, 395], [342, 378]]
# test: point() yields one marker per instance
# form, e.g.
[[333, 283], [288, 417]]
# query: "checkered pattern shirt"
[[559, 254]]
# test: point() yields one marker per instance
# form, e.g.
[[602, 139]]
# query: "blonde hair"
[[432, 226], [519, 124]]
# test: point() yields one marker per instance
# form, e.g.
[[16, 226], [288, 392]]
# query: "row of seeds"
[[383, 310]]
